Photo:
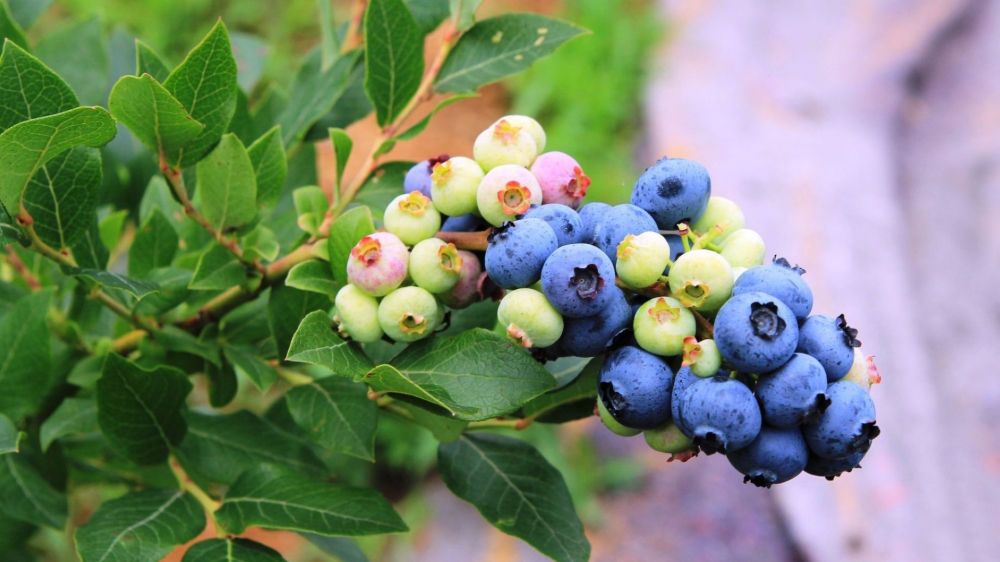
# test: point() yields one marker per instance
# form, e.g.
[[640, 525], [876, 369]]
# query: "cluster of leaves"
[[180, 232]]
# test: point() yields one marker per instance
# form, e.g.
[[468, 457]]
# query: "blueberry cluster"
[[707, 349]]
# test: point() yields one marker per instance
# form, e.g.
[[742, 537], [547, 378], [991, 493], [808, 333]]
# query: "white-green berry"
[[408, 314], [642, 259], [454, 183], [507, 191], [435, 265], [702, 357], [722, 215], [661, 324], [529, 318], [701, 279], [612, 424], [744, 248], [412, 217], [528, 125], [504, 143], [357, 314], [667, 439]]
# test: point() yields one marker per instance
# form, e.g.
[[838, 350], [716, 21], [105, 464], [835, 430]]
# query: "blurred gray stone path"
[[862, 139]]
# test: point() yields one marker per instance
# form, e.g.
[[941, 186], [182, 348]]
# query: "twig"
[[703, 323], [474, 241], [353, 37], [129, 342], [517, 424], [22, 270], [118, 308], [188, 485]]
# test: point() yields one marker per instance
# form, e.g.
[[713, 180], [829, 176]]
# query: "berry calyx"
[[515, 198], [765, 320], [368, 250]]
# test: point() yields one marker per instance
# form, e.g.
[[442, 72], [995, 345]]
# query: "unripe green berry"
[[454, 183], [612, 424], [737, 271], [702, 356], [357, 314], [435, 265], [642, 259], [408, 314], [667, 439], [661, 324], [863, 370], [507, 191], [528, 125], [466, 291], [412, 217], [529, 318], [744, 248], [504, 143], [701, 279], [723, 215]]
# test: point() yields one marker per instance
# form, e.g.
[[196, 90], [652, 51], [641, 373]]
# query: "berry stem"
[[353, 37], [703, 323], [22, 270], [473, 241], [188, 485]]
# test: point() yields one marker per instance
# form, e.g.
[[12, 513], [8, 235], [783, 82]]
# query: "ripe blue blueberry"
[[756, 332], [565, 222], [775, 456], [673, 190], [847, 426], [831, 341], [719, 414], [578, 280], [592, 215], [635, 388], [418, 178], [794, 393], [621, 221], [517, 251], [780, 280], [832, 468], [589, 336], [463, 223], [682, 380]]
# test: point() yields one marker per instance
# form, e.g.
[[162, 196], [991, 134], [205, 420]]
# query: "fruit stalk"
[[473, 241]]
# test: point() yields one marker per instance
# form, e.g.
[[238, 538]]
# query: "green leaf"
[[222, 384], [342, 146], [115, 281], [517, 491], [394, 57], [231, 550], [25, 356], [313, 275], [86, 372], [205, 83], [26, 12], [154, 246], [501, 46], [23, 80], [153, 115], [444, 429], [267, 154], [10, 437], [260, 243], [428, 13], [419, 127], [384, 184], [27, 146], [148, 62], [140, 526], [62, 196], [89, 252], [316, 342], [227, 185], [272, 497], [245, 358], [584, 388], [111, 227], [463, 12], [175, 339], [311, 205], [221, 447], [265, 113], [26, 496], [313, 93], [79, 53], [218, 269], [10, 30], [477, 375], [337, 414], [139, 411], [75, 416], [241, 124], [251, 54], [342, 549], [13, 536], [329, 45], [352, 107], [345, 233], [286, 309], [10, 232]]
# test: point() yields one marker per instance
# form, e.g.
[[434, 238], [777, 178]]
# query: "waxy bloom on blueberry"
[[408, 314], [673, 190], [505, 192], [578, 280], [504, 143], [517, 251], [775, 456], [454, 183], [435, 265], [565, 222], [412, 217], [561, 178], [357, 314], [529, 319], [378, 264], [756, 332]]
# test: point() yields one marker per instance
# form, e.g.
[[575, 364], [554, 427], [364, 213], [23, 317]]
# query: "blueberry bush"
[[193, 327]]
